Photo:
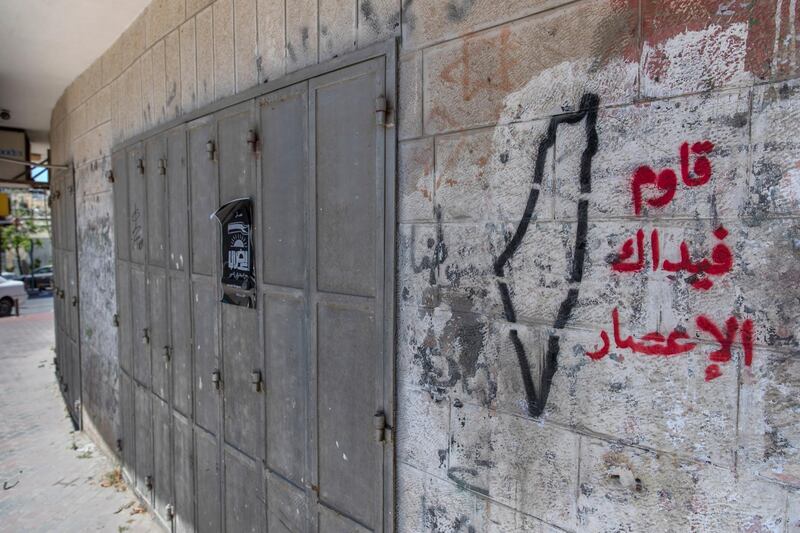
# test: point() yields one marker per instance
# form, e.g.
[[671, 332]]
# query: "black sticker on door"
[[238, 270]]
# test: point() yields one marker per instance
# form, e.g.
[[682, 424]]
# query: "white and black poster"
[[238, 270]]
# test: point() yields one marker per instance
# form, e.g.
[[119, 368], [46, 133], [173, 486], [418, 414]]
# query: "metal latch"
[[252, 140], [119, 445], [210, 149], [170, 511], [162, 166], [115, 320], [140, 165], [74, 301], [146, 336], [379, 424], [255, 380], [148, 482], [109, 176], [216, 379], [380, 111], [61, 293], [167, 353]]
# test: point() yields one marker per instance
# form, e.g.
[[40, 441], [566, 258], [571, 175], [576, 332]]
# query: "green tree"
[[18, 238]]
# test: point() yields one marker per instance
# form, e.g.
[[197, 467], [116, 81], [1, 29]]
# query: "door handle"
[[216, 379], [255, 380]]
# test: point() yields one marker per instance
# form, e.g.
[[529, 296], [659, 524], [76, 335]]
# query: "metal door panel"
[[73, 296], [178, 199], [245, 506], [286, 385], [346, 176], [69, 293], [284, 167], [162, 473], [127, 406], [208, 489], [332, 522], [75, 386], [120, 187], [287, 506], [181, 344], [156, 155], [236, 154], [69, 212], [203, 187], [241, 356], [137, 204], [139, 327], [183, 462], [159, 336], [144, 441], [124, 308], [349, 458], [204, 317]]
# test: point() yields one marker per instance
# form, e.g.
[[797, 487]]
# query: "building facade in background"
[[575, 307]]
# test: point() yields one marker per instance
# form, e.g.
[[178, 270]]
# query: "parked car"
[[11, 290], [40, 279]]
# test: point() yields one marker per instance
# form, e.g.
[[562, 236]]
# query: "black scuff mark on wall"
[[458, 10], [537, 393]]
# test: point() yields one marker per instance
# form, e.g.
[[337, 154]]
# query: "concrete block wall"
[[629, 390]]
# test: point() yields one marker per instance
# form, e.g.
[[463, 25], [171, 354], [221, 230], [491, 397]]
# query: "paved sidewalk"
[[51, 477]]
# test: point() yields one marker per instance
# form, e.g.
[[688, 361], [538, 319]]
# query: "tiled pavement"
[[51, 478]]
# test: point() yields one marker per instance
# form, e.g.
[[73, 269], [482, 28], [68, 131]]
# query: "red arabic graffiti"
[[721, 261], [666, 180], [695, 171], [655, 343]]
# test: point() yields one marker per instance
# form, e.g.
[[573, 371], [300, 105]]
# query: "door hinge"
[[146, 336], [115, 320], [210, 149], [170, 511], [255, 380], [380, 111], [216, 379], [252, 140], [109, 176], [119, 445], [380, 426], [148, 482], [167, 354], [140, 165], [162, 166], [75, 301]]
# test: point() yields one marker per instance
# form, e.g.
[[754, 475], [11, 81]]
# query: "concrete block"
[[415, 180], [246, 54], [422, 429], [489, 450], [378, 20], [417, 265], [131, 100], [163, 16], [773, 182], [224, 71], [426, 22], [77, 121], [204, 34], [159, 61], [651, 135], [117, 127], [625, 488], [337, 27], [765, 277], [428, 503], [98, 108], [447, 354], [466, 272], [148, 103], [194, 6], [301, 34], [504, 74], [188, 57], [462, 185], [93, 79], [93, 146], [410, 96], [172, 79], [499, 518], [769, 437], [271, 38], [698, 46], [793, 513]]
